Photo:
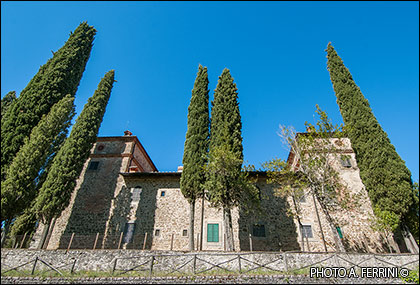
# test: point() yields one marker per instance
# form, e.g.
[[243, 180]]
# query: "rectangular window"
[[157, 233], [184, 233], [258, 230], [307, 231], [162, 193], [135, 197], [212, 232], [340, 234], [129, 232], [93, 165]]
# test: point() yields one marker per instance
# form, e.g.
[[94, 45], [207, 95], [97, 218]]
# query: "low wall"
[[240, 279], [154, 262]]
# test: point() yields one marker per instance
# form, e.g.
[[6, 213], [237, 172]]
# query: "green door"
[[212, 232]]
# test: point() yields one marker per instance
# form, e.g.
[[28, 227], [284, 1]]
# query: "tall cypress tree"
[[383, 172], [225, 152], [55, 192], [6, 102], [18, 189], [55, 79], [196, 146]]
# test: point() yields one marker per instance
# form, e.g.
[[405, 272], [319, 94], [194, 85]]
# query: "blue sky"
[[274, 50]]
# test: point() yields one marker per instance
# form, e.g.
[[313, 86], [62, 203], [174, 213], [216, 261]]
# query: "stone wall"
[[355, 221], [147, 210], [120, 260]]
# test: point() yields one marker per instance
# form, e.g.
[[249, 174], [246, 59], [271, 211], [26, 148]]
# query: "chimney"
[[128, 133], [180, 168], [134, 169]]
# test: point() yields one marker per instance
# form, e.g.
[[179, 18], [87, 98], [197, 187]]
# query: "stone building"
[[122, 200]]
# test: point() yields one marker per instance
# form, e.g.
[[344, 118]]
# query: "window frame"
[[302, 231], [257, 229], [214, 238], [91, 165]]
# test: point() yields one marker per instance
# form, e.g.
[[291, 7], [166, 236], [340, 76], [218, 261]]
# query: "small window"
[[340, 233], [306, 231], [258, 230], [345, 162], [101, 147], [162, 193], [135, 197], [157, 233], [185, 233], [212, 232], [93, 165], [129, 232]]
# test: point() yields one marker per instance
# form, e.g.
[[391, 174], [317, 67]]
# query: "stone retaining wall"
[[165, 262], [261, 279]]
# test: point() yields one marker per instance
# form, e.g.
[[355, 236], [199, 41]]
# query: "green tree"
[[55, 79], [6, 102], [196, 146], [55, 192], [226, 183], [18, 189], [314, 154], [383, 172]]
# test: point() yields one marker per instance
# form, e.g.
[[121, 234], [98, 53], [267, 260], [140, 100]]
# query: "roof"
[[174, 174]]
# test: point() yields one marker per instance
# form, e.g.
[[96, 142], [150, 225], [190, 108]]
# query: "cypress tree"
[[18, 190], [55, 192], [6, 101], [383, 172], [196, 146], [225, 151], [55, 79]]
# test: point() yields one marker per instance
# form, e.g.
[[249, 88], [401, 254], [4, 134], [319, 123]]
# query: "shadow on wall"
[[90, 211], [134, 232], [145, 215], [271, 230], [366, 245]]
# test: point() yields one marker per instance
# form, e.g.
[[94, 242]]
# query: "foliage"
[[225, 184], [383, 172], [6, 102], [24, 223], [231, 187], [196, 146], [291, 183], [66, 166], [412, 278], [19, 188], [312, 169], [197, 139], [55, 79], [412, 218]]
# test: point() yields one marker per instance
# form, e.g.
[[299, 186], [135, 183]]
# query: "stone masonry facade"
[[122, 200]]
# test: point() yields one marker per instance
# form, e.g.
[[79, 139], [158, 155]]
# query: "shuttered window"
[[212, 232]]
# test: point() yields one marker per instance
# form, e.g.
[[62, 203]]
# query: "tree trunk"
[[5, 231], [50, 230], [300, 224], [202, 223], [319, 223], [339, 247], [44, 235], [227, 217], [409, 240], [191, 233]]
